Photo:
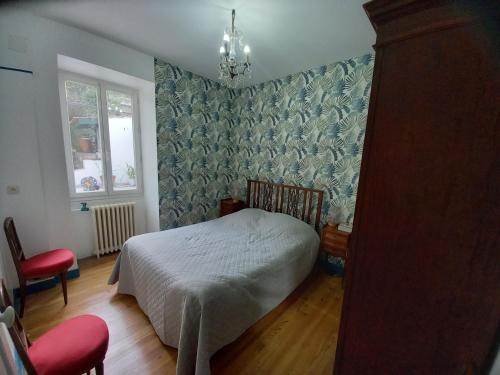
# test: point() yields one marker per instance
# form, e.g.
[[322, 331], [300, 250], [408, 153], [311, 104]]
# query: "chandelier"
[[234, 64]]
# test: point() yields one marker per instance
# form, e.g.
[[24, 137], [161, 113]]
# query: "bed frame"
[[292, 200]]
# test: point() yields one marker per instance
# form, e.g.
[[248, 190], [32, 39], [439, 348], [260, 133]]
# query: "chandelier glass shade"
[[234, 66]]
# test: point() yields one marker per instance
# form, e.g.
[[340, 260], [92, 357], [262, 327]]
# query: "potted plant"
[[131, 175], [84, 144]]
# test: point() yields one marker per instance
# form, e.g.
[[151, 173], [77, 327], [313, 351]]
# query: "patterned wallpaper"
[[305, 129], [193, 134]]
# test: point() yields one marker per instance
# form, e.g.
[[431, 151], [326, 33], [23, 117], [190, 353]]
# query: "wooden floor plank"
[[298, 337]]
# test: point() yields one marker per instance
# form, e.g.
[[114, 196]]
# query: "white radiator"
[[113, 225]]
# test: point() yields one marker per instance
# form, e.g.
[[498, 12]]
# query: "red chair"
[[48, 264], [74, 347]]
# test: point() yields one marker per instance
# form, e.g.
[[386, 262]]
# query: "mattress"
[[203, 285]]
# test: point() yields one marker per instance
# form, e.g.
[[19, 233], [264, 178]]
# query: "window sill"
[[95, 201]]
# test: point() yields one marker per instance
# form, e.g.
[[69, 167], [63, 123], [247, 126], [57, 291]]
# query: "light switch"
[[12, 189]]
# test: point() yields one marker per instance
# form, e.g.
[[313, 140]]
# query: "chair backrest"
[[14, 243], [17, 332]]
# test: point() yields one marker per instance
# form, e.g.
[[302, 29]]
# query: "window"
[[101, 137]]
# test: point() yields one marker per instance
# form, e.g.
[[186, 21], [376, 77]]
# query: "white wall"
[[495, 370], [20, 166], [43, 208]]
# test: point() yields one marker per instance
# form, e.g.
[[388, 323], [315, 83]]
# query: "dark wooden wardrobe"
[[423, 278]]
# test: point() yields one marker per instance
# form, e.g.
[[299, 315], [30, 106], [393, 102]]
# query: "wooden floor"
[[298, 337]]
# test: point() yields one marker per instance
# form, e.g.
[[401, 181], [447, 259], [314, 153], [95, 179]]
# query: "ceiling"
[[285, 36]]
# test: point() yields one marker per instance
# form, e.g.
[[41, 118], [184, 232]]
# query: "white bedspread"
[[203, 285]]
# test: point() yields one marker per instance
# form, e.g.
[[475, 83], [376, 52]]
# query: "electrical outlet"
[[12, 189]]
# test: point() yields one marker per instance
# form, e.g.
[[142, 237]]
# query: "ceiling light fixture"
[[234, 64]]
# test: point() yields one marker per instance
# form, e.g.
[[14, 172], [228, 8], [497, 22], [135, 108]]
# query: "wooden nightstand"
[[228, 206], [334, 242]]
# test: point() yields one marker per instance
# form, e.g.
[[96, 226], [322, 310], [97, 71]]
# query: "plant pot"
[[84, 144]]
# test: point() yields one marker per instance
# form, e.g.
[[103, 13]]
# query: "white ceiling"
[[285, 36]]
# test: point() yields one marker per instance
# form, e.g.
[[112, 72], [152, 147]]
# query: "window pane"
[[121, 139], [83, 115]]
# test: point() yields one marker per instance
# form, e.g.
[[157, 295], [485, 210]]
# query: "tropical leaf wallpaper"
[[193, 116], [305, 129]]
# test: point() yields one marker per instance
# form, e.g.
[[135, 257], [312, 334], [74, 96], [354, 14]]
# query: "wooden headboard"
[[297, 201]]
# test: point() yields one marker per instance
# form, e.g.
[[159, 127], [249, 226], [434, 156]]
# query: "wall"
[[19, 146], [495, 370], [306, 129], [31, 42], [194, 133]]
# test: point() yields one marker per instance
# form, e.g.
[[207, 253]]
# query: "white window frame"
[[104, 135]]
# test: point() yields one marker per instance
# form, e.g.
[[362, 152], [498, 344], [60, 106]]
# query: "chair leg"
[[22, 290], [99, 369], [64, 287]]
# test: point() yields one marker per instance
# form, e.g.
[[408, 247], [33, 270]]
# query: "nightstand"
[[228, 206], [334, 242]]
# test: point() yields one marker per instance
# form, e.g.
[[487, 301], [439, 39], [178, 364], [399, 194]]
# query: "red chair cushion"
[[73, 347], [50, 263]]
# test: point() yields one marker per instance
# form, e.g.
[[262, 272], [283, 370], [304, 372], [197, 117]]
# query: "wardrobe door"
[[423, 278]]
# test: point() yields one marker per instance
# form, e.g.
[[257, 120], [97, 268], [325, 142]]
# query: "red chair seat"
[[73, 347], [48, 263]]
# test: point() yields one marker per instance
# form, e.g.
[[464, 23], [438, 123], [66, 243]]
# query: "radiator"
[[113, 225]]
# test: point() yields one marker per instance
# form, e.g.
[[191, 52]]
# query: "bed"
[[203, 285]]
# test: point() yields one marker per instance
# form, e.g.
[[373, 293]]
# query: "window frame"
[[102, 87]]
